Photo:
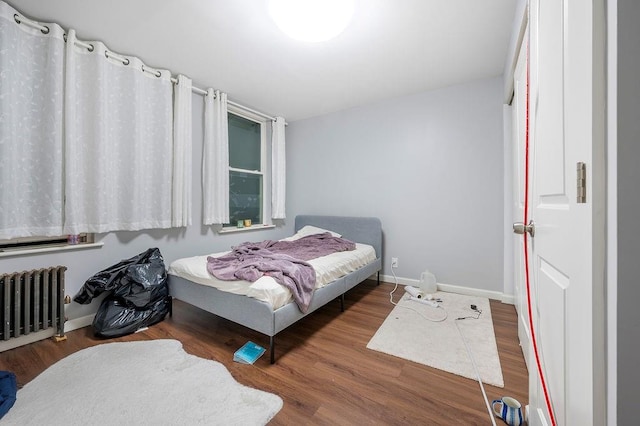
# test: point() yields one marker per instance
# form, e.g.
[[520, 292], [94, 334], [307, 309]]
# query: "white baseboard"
[[509, 299], [77, 323], [27, 339], [33, 337], [450, 288], [468, 291]]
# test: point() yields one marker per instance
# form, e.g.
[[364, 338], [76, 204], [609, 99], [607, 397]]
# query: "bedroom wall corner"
[[429, 165]]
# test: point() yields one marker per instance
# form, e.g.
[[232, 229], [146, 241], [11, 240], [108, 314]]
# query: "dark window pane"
[[244, 143], [245, 197]]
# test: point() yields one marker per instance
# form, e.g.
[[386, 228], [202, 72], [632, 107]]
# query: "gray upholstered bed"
[[259, 315]]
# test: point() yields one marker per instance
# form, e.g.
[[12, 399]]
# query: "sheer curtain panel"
[[215, 159], [31, 96], [278, 169], [118, 142], [182, 149]]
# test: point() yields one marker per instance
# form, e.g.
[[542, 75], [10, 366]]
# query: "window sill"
[[51, 249], [231, 230]]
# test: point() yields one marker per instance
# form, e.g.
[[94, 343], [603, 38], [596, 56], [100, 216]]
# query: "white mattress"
[[328, 268]]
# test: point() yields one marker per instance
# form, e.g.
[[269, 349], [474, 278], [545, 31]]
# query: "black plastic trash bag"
[[115, 319], [145, 269], [139, 294]]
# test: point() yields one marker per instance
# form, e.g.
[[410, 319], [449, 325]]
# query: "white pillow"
[[310, 230]]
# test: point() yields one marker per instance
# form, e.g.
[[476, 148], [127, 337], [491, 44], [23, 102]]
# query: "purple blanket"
[[282, 260]]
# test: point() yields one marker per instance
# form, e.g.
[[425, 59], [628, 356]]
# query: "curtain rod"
[[45, 30], [203, 92]]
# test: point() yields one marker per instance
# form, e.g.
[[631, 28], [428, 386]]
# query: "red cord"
[[526, 254]]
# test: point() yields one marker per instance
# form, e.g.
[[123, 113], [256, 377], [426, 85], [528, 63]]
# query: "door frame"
[[598, 192]]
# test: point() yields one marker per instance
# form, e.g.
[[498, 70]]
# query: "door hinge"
[[582, 183]]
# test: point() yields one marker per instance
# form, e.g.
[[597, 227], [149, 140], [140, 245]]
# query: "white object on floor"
[[406, 334], [147, 382], [428, 285], [414, 291], [431, 303]]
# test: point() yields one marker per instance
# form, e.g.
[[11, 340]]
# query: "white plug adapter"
[[426, 302]]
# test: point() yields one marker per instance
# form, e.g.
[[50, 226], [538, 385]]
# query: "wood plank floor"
[[323, 371]]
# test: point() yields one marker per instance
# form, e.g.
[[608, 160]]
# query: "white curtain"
[[31, 85], [278, 169], [215, 159], [182, 150], [118, 143]]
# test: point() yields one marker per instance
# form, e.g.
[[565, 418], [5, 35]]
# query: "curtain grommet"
[[16, 18], [156, 73], [45, 30]]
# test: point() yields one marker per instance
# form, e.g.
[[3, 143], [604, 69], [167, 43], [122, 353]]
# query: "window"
[[247, 168], [29, 243]]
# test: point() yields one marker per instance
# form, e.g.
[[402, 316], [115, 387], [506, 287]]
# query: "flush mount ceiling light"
[[311, 20]]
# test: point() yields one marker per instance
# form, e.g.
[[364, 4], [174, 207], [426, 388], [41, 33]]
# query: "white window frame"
[[31, 245], [265, 171]]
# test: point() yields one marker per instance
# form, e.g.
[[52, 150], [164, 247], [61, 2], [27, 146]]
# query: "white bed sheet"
[[328, 268]]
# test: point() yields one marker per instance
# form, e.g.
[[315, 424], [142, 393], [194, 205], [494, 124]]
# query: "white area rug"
[[406, 334], [139, 383]]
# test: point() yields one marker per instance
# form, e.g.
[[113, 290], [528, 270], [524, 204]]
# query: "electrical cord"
[[466, 345], [478, 312], [473, 361], [411, 309]]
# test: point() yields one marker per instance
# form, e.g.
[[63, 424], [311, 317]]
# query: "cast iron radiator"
[[31, 302]]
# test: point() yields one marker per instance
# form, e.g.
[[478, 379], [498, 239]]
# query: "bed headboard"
[[366, 230]]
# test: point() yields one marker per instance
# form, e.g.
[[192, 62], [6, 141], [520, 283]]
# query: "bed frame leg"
[[342, 302], [272, 344], [378, 278], [170, 307]]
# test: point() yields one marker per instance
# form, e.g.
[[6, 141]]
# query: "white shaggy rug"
[[143, 383], [406, 333]]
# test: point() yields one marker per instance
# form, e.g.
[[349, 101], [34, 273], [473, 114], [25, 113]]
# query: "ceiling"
[[391, 48]]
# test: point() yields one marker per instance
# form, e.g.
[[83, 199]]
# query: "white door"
[[566, 114], [519, 131]]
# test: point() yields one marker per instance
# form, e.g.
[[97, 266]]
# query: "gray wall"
[[429, 165], [173, 243], [628, 111]]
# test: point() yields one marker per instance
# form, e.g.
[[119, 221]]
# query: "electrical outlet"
[[394, 262]]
